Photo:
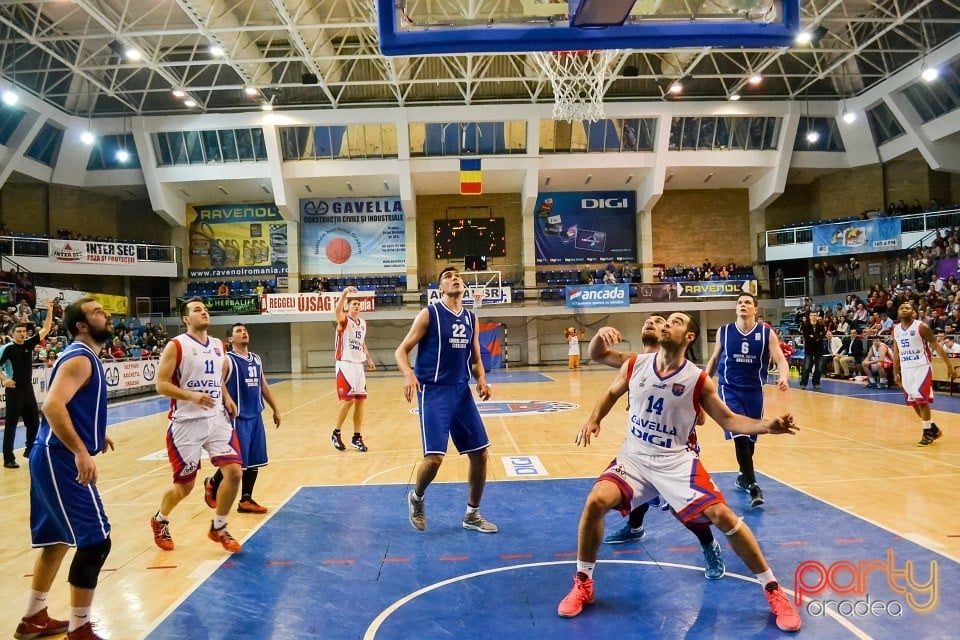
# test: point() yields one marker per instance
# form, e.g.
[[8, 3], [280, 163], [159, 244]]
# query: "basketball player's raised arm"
[[72, 375], [340, 312], [591, 428], [714, 360], [599, 348], [402, 355], [483, 389], [716, 409], [165, 385]]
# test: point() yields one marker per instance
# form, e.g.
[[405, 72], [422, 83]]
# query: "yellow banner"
[[114, 305]]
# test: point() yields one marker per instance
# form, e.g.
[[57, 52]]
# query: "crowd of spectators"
[[708, 270]]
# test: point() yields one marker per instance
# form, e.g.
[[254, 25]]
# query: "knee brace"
[[86, 565]]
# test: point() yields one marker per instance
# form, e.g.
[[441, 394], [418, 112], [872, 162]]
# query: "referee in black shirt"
[[21, 401]]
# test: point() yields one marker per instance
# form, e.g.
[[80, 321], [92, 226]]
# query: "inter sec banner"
[[595, 226], [91, 252], [715, 288], [237, 240], [860, 236], [352, 235]]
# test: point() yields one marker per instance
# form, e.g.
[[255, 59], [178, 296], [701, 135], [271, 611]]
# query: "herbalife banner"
[[92, 252], [227, 306], [237, 240], [585, 227], [352, 235]]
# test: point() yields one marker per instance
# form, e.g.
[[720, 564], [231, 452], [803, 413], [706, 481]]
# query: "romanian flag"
[[470, 176]]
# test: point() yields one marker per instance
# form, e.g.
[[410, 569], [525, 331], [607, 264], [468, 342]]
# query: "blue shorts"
[[63, 511], [253, 441], [449, 411], [746, 402]]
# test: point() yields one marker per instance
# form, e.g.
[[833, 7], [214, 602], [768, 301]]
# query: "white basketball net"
[[577, 78]]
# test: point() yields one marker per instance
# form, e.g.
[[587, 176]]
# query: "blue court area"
[[344, 562]]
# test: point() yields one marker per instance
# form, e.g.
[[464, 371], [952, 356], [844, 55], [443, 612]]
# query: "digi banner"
[[586, 227], [236, 240], [715, 288], [303, 303], [860, 236], [90, 252], [597, 295], [352, 235]]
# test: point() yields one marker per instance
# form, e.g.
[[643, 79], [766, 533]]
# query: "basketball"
[[338, 251]]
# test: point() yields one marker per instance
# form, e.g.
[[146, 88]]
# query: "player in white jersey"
[[351, 355], [660, 456], [912, 369], [192, 371]]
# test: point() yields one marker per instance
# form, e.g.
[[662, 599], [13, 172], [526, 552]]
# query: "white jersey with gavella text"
[[349, 341], [662, 412], [913, 349], [199, 368]]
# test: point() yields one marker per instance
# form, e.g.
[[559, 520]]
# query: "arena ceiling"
[[324, 54]]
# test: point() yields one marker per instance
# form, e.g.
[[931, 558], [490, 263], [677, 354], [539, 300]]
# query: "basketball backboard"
[[423, 27]]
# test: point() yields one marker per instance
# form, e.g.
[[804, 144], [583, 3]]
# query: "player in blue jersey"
[[65, 506], [248, 387], [448, 348], [740, 360]]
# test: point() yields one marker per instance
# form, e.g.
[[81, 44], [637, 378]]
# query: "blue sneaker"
[[624, 534], [659, 503], [711, 555]]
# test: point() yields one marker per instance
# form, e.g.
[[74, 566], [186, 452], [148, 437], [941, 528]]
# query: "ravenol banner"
[[598, 295], [237, 240], [860, 236], [352, 235], [715, 288], [595, 226]]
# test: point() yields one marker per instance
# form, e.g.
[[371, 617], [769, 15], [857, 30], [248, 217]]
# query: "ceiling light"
[[930, 74], [179, 93], [190, 102], [216, 51], [122, 155], [676, 87], [132, 53], [734, 97], [755, 79], [849, 116], [10, 97], [250, 91], [812, 136], [87, 137], [804, 37]]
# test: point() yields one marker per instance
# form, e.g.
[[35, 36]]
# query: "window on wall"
[[10, 119], [883, 124], [208, 147], [46, 145], [467, 138], [346, 142], [934, 99], [109, 151], [824, 130], [610, 135], [724, 133]]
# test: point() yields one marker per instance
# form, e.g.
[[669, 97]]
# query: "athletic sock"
[[702, 531], [636, 516], [247, 481], [160, 517], [79, 616], [744, 448], [586, 568], [37, 601], [766, 577], [219, 522], [927, 424]]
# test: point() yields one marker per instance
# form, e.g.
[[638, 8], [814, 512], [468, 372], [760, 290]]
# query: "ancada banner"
[[304, 303], [90, 252], [352, 235], [237, 240], [574, 227]]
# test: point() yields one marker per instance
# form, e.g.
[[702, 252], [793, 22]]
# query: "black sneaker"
[[11, 464], [930, 435], [756, 496], [357, 443], [337, 442], [741, 484]]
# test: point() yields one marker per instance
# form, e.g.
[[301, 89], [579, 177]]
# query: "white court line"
[[374, 627]]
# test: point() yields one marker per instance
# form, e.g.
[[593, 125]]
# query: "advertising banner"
[[586, 227], [236, 240], [232, 306], [90, 252], [715, 288], [304, 303], [658, 292], [352, 235], [597, 295], [861, 236], [491, 295], [114, 305]]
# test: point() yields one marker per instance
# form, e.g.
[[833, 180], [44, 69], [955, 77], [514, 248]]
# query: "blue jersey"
[[744, 357], [244, 384], [87, 407], [445, 352]]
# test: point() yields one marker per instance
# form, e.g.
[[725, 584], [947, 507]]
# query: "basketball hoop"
[[577, 78], [477, 301]]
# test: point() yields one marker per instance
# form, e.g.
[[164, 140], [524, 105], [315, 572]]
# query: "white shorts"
[[185, 439], [351, 380], [917, 383], [679, 478]]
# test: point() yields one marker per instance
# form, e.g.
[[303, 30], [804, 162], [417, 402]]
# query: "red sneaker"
[[787, 617], [84, 633], [250, 506], [209, 494], [581, 594], [161, 534], [223, 536], [39, 625]]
